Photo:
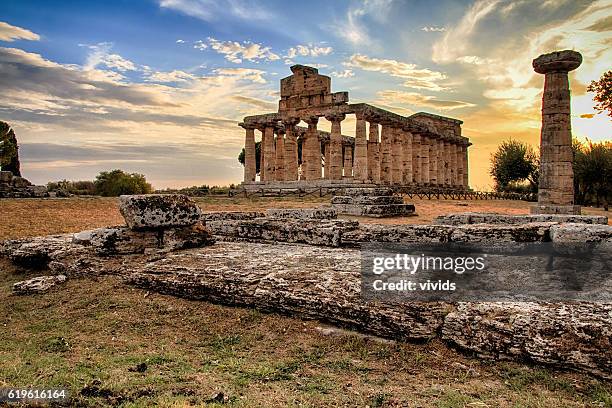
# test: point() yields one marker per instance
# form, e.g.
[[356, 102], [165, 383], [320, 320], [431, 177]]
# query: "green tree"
[[116, 182], [9, 150], [603, 93], [593, 173], [513, 163]]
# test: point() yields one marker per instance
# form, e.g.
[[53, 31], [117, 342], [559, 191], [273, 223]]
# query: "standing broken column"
[[361, 149], [556, 181]]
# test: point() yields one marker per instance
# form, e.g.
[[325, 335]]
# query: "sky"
[[158, 86]]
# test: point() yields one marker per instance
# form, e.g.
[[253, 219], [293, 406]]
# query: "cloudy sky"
[[158, 87]]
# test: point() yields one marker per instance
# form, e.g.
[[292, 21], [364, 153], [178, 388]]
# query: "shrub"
[[116, 182]]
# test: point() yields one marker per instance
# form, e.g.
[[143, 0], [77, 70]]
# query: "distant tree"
[[9, 150], [593, 173], [603, 93], [513, 163], [116, 182]]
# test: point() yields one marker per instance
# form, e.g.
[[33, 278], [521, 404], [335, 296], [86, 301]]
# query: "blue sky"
[[158, 87]]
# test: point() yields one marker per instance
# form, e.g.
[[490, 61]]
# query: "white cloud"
[[200, 45], [172, 76], [180, 41], [308, 51], [453, 44], [390, 97], [210, 10], [418, 78], [433, 29], [100, 56], [11, 33], [347, 73], [248, 74], [473, 60], [237, 52], [353, 28]]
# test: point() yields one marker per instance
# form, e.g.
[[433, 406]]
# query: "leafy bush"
[[82, 187], [116, 182], [514, 164]]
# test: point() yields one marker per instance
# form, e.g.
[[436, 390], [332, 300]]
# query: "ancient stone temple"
[[421, 150]]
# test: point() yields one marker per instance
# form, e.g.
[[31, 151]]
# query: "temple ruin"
[[421, 150]]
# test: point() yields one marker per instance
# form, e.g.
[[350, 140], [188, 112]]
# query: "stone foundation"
[[375, 202], [555, 209]]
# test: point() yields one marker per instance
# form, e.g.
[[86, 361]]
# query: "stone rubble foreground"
[[283, 261]]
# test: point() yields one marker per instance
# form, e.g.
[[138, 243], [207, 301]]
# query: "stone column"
[[406, 157], [269, 153], [291, 150], [385, 162], [327, 155], [466, 178], [396, 156], [348, 161], [373, 154], [556, 182], [441, 163], [311, 151], [335, 147], [416, 158], [460, 165], [361, 150], [433, 161], [250, 163], [262, 153], [424, 159], [279, 171], [454, 167]]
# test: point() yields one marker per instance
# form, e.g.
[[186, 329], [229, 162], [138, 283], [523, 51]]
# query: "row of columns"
[[395, 155]]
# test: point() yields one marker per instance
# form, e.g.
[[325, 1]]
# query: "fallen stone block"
[[37, 285], [368, 200], [303, 213], [232, 215], [580, 233], [571, 335], [37, 252], [124, 241], [157, 211], [307, 281], [417, 233], [376, 211], [6, 177], [315, 232], [505, 219]]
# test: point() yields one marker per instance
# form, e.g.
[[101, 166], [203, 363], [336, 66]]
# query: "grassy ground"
[[113, 345], [30, 217]]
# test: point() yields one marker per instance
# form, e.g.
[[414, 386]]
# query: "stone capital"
[[311, 120], [557, 61], [247, 125]]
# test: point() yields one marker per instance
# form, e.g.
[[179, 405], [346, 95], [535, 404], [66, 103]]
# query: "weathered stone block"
[[496, 219], [580, 233], [157, 211], [315, 232], [302, 213], [572, 335], [124, 241], [232, 215], [37, 285], [359, 191], [20, 182], [376, 211], [193, 236]]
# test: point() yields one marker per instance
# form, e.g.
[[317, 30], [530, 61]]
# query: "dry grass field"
[[113, 345]]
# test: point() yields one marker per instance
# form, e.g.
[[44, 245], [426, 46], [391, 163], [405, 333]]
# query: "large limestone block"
[[37, 252], [494, 218], [303, 213], [580, 233], [232, 215], [157, 211], [574, 335]]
